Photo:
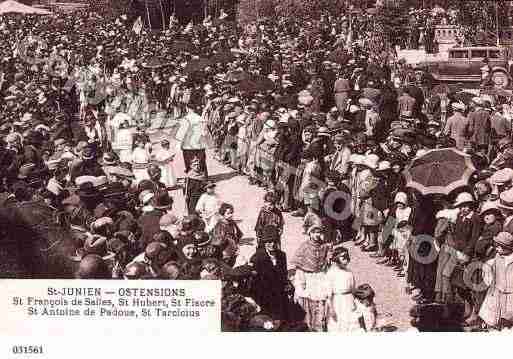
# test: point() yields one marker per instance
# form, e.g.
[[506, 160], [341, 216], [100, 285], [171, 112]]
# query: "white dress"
[[340, 286], [140, 163], [164, 159]]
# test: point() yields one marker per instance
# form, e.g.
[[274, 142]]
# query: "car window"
[[478, 54], [459, 55], [494, 54]]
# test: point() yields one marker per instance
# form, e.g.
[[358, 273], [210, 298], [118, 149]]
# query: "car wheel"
[[500, 79]]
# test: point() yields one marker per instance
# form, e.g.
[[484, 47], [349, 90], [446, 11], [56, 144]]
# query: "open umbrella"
[[197, 65], [439, 171]]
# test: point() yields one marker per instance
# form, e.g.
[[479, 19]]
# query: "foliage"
[[479, 22]]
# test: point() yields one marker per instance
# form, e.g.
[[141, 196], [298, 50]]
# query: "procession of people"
[[329, 122]]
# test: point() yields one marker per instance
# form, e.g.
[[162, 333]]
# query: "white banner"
[[69, 307]]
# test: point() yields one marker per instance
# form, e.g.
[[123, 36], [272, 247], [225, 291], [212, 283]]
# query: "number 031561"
[[27, 349]]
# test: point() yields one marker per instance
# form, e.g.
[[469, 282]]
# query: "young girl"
[[493, 219], [497, 308], [366, 312], [340, 286], [164, 158], [269, 215], [141, 160], [401, 233]]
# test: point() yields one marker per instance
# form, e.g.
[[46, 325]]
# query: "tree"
[[479, 20]]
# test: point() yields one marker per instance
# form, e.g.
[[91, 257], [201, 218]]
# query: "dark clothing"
[[150, 225], [466, 233], [268, 216], [270, 283]]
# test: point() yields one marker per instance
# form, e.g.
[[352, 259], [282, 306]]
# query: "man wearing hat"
[[458, 126], [271, 283], [149, 221], [193, 137], [87, 165], [479, 125]]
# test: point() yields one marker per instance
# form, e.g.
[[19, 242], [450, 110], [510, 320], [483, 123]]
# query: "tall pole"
[[497, 22]]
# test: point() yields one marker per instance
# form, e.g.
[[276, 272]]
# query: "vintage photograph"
[[338, 165]]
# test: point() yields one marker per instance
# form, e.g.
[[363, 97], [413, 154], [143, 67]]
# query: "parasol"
[[439, 171]]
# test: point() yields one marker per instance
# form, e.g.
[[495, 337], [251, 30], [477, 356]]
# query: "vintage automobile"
[[464, 66]]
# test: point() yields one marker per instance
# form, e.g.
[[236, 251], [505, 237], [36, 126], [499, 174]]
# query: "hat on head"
[[109, 159], [371, 161], [146, 196], [490, 207], [270, 233], [506, 200], [501, 177], [384, 166], [87, 190], [401, 197], [366, 102], [478, 101], [458, 106], [323, 131], [464, 198], [210, 184], [504, 239], [88, 153]]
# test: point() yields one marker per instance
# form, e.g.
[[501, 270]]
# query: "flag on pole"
[[138, 25]]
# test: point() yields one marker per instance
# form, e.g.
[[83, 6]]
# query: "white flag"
[[138, 25]]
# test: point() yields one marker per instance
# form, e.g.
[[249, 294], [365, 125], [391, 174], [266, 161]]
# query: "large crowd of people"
[[319, 114]]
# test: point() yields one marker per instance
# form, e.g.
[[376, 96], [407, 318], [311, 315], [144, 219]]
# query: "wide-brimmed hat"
[[458, 106], [478, 101], [384, 166], [109, 159], [366, 102], [501, 177], [464, 198], [504, 239], [87, 190], [490, 207], [371, 161], [506, 200], [323, 131]]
